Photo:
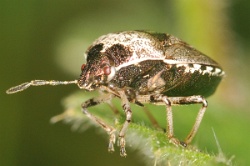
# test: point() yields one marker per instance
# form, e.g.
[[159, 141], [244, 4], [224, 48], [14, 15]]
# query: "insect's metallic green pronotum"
[[144, 67]]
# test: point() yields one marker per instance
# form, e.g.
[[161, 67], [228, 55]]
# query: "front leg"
[[128, 113], [109, 129]]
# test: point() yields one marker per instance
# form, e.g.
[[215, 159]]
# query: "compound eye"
[[82, 67], [106, 70]]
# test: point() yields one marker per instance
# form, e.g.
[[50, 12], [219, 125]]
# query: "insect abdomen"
[[193, 79], [155, 76]]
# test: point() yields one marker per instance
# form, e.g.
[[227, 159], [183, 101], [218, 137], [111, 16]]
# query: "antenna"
[[25, 85]]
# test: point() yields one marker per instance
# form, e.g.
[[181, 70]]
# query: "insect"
[[143, 67]]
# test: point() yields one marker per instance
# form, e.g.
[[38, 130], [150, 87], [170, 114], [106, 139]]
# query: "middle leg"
[[160, 99]]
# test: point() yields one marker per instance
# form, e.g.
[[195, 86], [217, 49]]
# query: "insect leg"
[[170, 127], [109, 129], [128, 113], [102, 91], [192, 100], [152, 118]]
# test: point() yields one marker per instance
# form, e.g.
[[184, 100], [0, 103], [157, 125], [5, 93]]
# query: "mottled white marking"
[[132, 62], [187, 68], [208, 70], [217, 72], [141, 45], [222, 73], [192, 70], [145, 47], [197, 66]]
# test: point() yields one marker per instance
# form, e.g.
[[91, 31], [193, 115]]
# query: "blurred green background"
[[47, 39]]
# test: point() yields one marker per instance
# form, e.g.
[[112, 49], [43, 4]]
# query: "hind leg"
[[169, 101]]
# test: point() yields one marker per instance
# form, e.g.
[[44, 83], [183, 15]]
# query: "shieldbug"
[[144, 67]]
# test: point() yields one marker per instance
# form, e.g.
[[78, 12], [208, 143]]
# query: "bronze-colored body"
[[144, 67]]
